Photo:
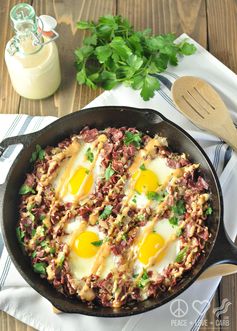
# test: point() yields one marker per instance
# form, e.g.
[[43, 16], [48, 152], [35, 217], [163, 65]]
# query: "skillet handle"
[[24, 139], [223, 258]]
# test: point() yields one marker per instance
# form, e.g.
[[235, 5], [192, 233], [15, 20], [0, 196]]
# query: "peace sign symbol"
[[178, 308]]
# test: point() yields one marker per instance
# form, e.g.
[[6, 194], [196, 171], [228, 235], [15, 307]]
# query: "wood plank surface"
[[70, 97], [212, 23], [9, 99], [165, 16]]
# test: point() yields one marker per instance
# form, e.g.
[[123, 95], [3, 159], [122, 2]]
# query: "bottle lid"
[[47, 23]]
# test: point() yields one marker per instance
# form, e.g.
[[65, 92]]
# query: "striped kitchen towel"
[[21, 301]]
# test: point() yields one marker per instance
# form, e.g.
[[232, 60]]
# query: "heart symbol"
[[200, 306]]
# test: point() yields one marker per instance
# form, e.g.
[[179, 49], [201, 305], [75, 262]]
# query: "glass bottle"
[[32, 56]]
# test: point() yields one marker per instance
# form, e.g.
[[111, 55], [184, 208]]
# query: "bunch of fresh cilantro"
[[114, 53]]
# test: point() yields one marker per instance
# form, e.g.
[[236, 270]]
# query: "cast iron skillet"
[[219, 249]]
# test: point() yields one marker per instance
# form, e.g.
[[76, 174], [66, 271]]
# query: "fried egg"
[[163, 237], [76, 175], [148, 179], [84, 244]]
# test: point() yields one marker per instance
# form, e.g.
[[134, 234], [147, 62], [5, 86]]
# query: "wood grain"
[[222, 36], [9, 323], [9, 99], [70, 97], [222, 31], [212, 23], [165, 16]]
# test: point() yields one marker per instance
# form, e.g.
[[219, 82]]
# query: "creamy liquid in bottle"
[[32, 60]]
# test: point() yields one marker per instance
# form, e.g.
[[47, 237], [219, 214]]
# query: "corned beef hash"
[[113, 216]]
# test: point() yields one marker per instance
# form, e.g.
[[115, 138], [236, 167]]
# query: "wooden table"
[[212, 23]]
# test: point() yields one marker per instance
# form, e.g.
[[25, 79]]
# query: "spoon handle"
[[228, 133]]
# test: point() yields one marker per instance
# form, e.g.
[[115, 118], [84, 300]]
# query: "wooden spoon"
[[198, 101]]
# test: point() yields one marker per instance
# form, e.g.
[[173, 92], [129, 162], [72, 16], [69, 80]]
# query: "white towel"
[[22, 302]]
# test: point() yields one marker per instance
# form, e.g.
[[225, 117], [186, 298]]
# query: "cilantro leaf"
[[150, 85], [109, 172], [132, 138], [25, 189], [179, 208], [144, 279], [181, 255], [120, 48], [173, 220], [141, 217], [156, 196], [34, 254], [52, 250], [124, 236], [142, 167], [106, 212], [208, 211], [187, 49], [103, 53], [89, 155], [40, 268], [61, 260], [20, 235], [179, 232], [108, 80], [97, 243], [38, 154], [83, 25]]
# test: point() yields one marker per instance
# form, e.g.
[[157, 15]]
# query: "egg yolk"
[[81, 177], [83, 246], [146, 181], [150, 246]]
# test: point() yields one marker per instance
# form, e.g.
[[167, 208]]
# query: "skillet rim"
[[123, 313]]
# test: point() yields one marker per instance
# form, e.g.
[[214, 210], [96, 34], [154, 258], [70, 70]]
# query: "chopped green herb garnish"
[[173, 220], [179, 208], [124, 237], [89, 155], [208, 211], [141, 217], [97, 243], [38, 154], [134, 199], [106, 212], [25, 189], [142, 167], [135, 275], [29, 209], [44, 243], [20, 235], [156, 196], [52, 250], [132, 138], [41, 230], [181, 255], [40, 268], [34, 254], [87, 171], [42, 217], [33, 232], [144, 279], [109, 172], [179, 232], [61, 260]]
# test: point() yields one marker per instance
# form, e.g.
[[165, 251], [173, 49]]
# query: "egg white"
[[82, 161], [166, 230], [160, 168], [81, 267]]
